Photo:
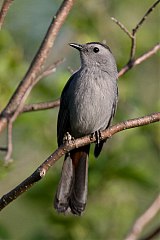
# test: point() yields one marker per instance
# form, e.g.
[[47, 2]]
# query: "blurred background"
[[125, 179]]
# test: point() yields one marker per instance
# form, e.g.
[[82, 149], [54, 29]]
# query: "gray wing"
[[98, 147], [114, 108], [63, 123]]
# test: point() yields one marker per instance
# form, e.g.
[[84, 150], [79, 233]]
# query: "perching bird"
[[88, 103]]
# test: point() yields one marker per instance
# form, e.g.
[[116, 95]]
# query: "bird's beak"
[[76, 45]]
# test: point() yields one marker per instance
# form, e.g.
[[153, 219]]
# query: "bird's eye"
[[96, 49]]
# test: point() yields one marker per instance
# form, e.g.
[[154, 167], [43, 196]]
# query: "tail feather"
[[72, 189], [98, 148], [80, 188], [65, 185]]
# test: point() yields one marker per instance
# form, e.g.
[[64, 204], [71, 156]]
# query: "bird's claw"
[[97, 135], [67, 138]]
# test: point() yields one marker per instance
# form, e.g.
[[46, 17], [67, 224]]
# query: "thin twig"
[[132, 35], [30, 79], [152, 235], [139, 60], [134, 31], [49, 70], [9, 133], [5, 7], [40, 106], [144, 219], [122, 27], [10, 124], [133, 49], [51, 160], [20, 109], [145, 16], [34, 107]]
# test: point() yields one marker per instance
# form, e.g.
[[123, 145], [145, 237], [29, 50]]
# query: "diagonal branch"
[[40, 172], [40, 106], [122, 27], [5, 7], [33, 107], [152, 235], [139, 60], [49, 70], [19, 97], [145, 16], [144, 219]]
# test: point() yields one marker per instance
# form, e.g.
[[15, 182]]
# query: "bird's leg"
[[97, 135], [67, 138]]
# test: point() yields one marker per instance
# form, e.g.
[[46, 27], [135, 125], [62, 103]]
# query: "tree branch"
[[124, 29], [139, 60], [132, 35], [145, 16], [153, 234], [46, 105], [19, 97], [40, 106], [144, 219], [134, 31], [34, 107], [5, 7], [40, 172], [50, 69]]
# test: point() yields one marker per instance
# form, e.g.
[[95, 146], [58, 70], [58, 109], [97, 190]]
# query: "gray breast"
[[91, 101]]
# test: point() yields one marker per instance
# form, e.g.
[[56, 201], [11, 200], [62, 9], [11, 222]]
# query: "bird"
[[87, 105]]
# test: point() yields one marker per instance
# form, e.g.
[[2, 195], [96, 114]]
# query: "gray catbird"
[[88, 104]]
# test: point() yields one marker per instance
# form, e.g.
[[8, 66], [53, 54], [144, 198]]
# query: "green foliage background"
[[125, 179]]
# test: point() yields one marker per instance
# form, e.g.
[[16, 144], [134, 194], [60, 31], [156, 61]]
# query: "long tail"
[[72, 190]]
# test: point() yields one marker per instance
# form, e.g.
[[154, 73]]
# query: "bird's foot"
[[68, 138], [97, 135]]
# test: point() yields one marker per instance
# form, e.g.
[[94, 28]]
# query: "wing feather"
[[63, 123]]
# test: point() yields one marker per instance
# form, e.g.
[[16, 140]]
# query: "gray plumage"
[[88, 104]]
